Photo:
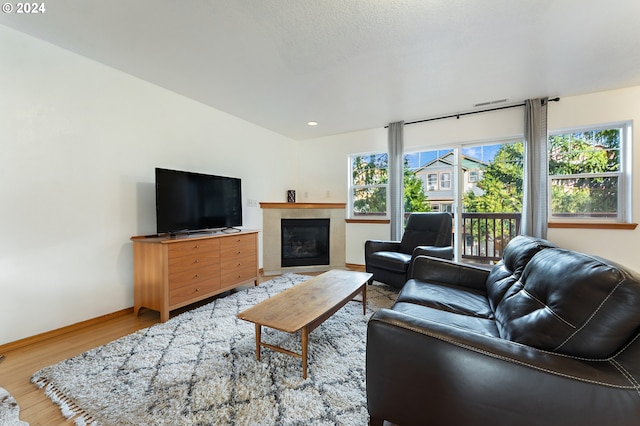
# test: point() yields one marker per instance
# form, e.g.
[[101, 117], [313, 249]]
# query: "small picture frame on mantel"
[[291, 196]]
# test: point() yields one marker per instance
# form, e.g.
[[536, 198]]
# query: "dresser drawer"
[[228, 265], [238, 275], [193, 247], [195, 260], [193, 276], [234, 240], [193, 292], [241, 248]]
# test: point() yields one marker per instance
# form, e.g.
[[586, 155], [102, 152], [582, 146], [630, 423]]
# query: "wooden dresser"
[[171, 272]]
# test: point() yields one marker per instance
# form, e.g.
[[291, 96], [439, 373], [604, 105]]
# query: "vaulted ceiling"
[[352, 64]]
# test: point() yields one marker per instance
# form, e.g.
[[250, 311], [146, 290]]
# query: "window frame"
[[448, 181], [624, 175], [432, 186], [351, 214]]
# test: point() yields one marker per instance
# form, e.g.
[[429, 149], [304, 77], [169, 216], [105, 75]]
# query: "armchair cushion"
[[390, 260], [431, 229]]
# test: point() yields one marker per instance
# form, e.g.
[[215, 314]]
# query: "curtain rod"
[[457, 116]]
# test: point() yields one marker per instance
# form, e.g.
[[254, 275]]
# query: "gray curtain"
[[536, 166], [396, 179]]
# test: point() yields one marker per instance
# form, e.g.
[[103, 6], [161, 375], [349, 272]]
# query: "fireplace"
[[304, 242], [272, 215]]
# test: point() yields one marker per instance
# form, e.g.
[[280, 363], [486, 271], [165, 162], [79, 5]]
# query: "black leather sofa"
[[547, 337]]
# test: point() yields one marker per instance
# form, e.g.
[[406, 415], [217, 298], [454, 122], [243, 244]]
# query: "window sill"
[[583, 225], [377, 221]]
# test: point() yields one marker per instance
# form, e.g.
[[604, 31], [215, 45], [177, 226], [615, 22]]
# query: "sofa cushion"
[[571, 303], [390, 260], [446, 297], [469, 323], [507, 272]]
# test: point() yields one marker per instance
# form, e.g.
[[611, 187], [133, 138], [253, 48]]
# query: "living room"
[[81, 140]]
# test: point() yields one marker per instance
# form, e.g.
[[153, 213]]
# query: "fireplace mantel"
[[302, 205], [272, 215]]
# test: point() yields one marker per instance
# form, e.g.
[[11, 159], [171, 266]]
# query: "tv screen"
[[187, 201]]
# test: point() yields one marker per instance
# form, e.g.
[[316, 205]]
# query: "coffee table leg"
[[258, 337], [305, 343], [364, 299]]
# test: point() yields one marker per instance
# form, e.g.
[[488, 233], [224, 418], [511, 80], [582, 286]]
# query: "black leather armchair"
[[426, 234]]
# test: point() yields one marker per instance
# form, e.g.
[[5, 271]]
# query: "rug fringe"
[[69, 409]]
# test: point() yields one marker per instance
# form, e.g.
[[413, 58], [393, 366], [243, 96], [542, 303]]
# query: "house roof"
[[447, 160], [351, 65]]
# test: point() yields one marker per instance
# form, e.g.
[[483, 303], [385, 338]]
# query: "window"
[[445, 180], [442, 207], [588, 174], [432, 182], [474, 176], [368, 187]]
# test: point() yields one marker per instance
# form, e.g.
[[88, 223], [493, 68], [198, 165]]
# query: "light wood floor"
[[19, 364]]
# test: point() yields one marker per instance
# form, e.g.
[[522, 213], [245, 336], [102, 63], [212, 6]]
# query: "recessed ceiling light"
[[312, 123]]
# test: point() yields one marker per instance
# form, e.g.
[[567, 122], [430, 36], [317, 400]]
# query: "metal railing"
[[484, 235]]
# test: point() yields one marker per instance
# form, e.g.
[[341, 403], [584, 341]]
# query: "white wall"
[[78, 146], [597, 108], [325, 178], [600, 108]]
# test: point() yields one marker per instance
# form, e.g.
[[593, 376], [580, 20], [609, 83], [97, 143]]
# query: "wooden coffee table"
[[306, 306]]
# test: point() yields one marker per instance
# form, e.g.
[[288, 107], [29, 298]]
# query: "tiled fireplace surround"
[[271, 233]]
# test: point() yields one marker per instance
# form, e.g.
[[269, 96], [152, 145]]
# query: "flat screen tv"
[[187, 201]]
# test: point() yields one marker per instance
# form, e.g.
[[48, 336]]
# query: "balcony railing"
[[484, 235]]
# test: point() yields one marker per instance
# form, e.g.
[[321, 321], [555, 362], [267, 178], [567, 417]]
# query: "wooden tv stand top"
[[166, 239]]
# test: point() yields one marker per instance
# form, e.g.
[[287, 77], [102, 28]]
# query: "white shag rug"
[[9, 410], [200, 368]]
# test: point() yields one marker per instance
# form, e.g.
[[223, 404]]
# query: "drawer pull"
[[197, 261], [197, 289], [197, 246], [197, 275]]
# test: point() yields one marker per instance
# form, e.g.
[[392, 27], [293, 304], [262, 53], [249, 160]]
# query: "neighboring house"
[[438, 180]]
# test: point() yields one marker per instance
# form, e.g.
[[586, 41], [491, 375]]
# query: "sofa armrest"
[[432, 269], [372, 246], [419, 370]]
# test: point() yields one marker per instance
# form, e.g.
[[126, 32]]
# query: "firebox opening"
[[305, 242]]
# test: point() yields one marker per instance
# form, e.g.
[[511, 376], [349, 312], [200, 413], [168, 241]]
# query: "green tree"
[[584, 153], [501, 183], [569, 154], [415, 199], [371, 173]]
